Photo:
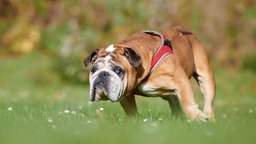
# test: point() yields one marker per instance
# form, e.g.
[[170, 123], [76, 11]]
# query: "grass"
[[36, 106]]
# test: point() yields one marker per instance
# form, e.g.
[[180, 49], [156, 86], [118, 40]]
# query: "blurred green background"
[[69, 30], [44, 85]]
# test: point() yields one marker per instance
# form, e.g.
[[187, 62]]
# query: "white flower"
[[160, 119], [9, 108], [66, 111], [101, 109], [145, 120], [50, 120]]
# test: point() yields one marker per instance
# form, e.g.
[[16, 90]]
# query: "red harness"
[[163, 50]]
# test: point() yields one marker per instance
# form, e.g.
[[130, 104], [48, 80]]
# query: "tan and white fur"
[[123, 70]]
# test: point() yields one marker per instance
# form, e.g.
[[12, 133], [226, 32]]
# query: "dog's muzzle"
[[106, 86], [99, 90]]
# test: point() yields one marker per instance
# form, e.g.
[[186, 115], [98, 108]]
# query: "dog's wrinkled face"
[[109, 74], [106, 80]]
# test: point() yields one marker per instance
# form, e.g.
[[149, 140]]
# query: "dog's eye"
[[118, 70], [94, 69]]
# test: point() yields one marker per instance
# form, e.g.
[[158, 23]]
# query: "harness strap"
[[163, 50]]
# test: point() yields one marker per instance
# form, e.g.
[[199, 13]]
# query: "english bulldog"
[[154, 64]]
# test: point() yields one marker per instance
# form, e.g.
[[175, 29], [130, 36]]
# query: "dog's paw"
[[209, 113], [194, 114], [210, 117]]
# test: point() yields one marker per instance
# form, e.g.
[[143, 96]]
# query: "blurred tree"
[[69, 30]]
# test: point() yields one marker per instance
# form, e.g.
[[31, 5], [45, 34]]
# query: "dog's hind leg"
[[205, 78], [207, 86], [183, 90]]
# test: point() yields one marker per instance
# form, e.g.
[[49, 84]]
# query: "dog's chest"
[[153, 91]]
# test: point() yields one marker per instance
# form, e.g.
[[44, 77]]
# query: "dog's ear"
[[133, 58], [91, 58]]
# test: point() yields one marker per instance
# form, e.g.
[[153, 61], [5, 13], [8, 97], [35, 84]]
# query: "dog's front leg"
[[129, 105]]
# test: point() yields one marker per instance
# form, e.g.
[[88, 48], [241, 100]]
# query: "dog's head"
[[113, 73]]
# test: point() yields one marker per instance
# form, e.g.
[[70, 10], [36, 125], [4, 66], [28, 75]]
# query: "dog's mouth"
[[106, 88], [106, 85], [99, 92]]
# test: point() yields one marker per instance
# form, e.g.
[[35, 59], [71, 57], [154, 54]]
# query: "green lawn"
[[37, 107]]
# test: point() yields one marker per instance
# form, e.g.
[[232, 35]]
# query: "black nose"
[[103, 74]]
